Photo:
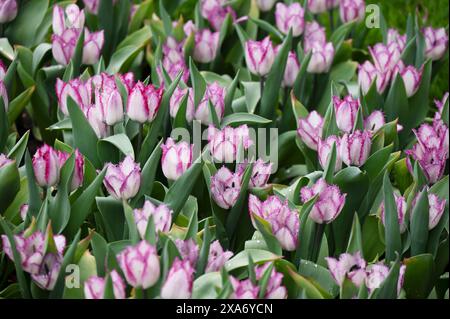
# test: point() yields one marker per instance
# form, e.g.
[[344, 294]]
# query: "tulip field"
[[215, 149]]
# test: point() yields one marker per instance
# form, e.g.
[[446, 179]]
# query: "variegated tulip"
[[107, 98], [206, 44], [329, 203], [310, 129], [292, 69], [441, 103], [46, 166], [321, 58], [124, 179], [313, 33], [63, 46], [393, 36], [260, 173], [217, 257], [385, 57], [355, 147], [176, 158], [243, 289], [215, 11], [275, 288], [265, 5], [140, 265], [94, 287], [436, 209], [320, 6], [161, 215], [400, 203], [411, 78], [367, 73], [179, 281], [48, 272], [92, 6], [225, 187], [352, 10], [95, 117], [80, 91], [290, 17], [259, 56], [224, 144], [78, 171], [176, 99], [374, 121], [144, 102], [188, 250], [69, 18], [324, 148], [377, 273], [215, 94], [93, 44], [346, 111], [347, 266], [436, 42], [8, 10]]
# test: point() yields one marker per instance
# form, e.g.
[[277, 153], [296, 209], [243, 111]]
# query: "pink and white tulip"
[[162, 218], [123, 180], [144, 102], [324, 149], [176, 99], [80, 91], [411, 78], [176, 158], [374, 121], [346, 111], [48, 272], [215, 11], [355, 147], [313, 33], [352, 10], [5, 160], [206, 45], [94, 287], [292, 69], [310, 129], [400, 203], [78, 171], [70, 18], [215, 94], [224, 144], [92, 46], [217, 257], [107, 98], [320, 6], [259, 56], [367, 73], [265, 5], [188, 250], [46, 166], [436, 42], [8, 10], [243, 289], [225, 187], [290, 17], [441, 103], [260, 173], [393, 36], [179, 281], [351, 266], [275, 288], [321, 58]]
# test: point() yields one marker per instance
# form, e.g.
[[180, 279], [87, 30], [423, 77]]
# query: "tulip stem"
[[139, 142], [261, 86], [318, 234]]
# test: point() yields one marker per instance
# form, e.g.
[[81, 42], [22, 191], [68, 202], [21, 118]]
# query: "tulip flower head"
[[94, 287], [176, 158], [188, 250], [355, 147], [124, 179], [144, 102], [310, 129], [320, 6], [224, 144], [324, 149], [243, 289], [46, 166], [274, 289], [290, 17], [226, 187], [179, 281], [8, 10], [259, 56], [214, 94], [436, 42], [162, 218], [400, 203], [217, 257], [352, 10], [206, 44], [347, 266], [374, 121], [346, 111]]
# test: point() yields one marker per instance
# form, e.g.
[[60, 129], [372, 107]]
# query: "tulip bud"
[[310, 129], [292, 68], [352, 10], [260, 173], [274, 289], [176, 99], [217, 257], [94, 287], [215, 11], [411, 78], [63, 46], [400, 203], [437, 208], [290, 17], [23, 211], [374, 121], [124, 179], [225, 187], [108, 98], [162, 217], [436, 42], [385, 57], [347, 266], [346, 112], [188, 250], [48, 272], [140, 265], [329, 203], [176, 158], [224, 144], [46, 166], [127, 80], [243, 289], [324, 151], [440, 104], [144, 102], [8, 10], [4, 95], [355, 148], [393, 36], [313, 33], [173, 60], [367, 73], [179, 281], [216, 95], [259, 56], [78, 172], [70, 18], [93, 44], [189, 27], [78, 90], [206, 44], [320, 6], [263, 209], [265, 5], [321, 58]]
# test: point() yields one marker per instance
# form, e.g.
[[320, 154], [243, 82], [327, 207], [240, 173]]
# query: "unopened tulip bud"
[[4, 160], [176, 158], [265, 5], [46, 166], [243, 289], [217, 257], [77, 89], [367, 73], [140, 265], [176, 99], [8, 10], [275, 288], [374, 121], [224, 144], [94, 287], [436, 42], [321, 58], [352, 10], [179, 281], [162, 218], [324, 151], [290, 17], [394, 36], [124, 179], [400, 203], [78, 171], [70, 18], [93, 44], [63, 46], [348, 266], [215, 11], [320, 6], [216, 95], [226, 187], [292, 69], [411, 78], [259, 56], [108, 98], [188, 250], [310, 129], [346, 111], [355, 148], [144, 102], [206, 44]]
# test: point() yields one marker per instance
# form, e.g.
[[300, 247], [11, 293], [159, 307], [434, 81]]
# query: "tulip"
[[63, 46], [400, 203], [265, 5], [225, 187], [243, 289], [436, 209], [324, 151], [189, 27], [78, 172], [108, 98], [144, 102], [260, 173], [48, 272], [352, 10], [355, 147], [367, 73], [215, 94], [290, 17], [70, 18], [436, 42], [264, 209], [321, 58], [188, 250], [46, 166], [274, 289], [92, 6], [320, 6], [224, 144], [93, 44], [176, 99], [215, 11], [176, 158], [385, 57], [347, 266], [217, 257], [173, 60], [411, 78], [376, 274], [179, 281], [4, 160], [346, 112], [123, 180], [310, 129], [162, 217], [374, 121], [95, 117], [206, 44], [23, 211], [259, 56], [313, 33], [440, 104], [8, 10], [4, 95], [140, 265], [329, 203], [292, 69], [94, 287], [432, 161], [393, 36], [77, 89], [127, 80]]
